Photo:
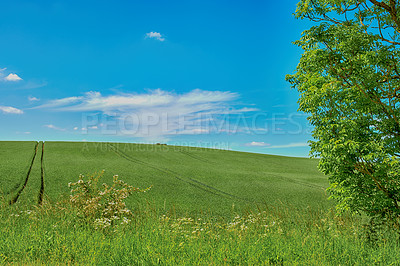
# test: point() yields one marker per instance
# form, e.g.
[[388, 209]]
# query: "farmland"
[[187, 179], [16, 158], [205, 206]]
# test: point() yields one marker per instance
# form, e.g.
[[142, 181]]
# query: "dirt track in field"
[[15, 198], [41, 192], [188, 180]]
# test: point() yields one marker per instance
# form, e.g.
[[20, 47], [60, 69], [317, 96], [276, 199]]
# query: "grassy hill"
[[206, 207], [184, 179]]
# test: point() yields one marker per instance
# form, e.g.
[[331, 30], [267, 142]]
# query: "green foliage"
[[104, 208], [349, 85]]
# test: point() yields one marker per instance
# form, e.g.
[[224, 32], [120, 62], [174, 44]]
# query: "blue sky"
[[200, 73]]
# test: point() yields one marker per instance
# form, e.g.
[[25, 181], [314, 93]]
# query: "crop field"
[[182, 178], [17, 159], [205, 206]]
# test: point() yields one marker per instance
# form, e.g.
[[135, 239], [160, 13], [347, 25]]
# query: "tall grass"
[[273, 235]]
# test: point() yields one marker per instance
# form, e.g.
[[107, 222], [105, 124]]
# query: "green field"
[[16, 159], [205, 207], [185, 179]]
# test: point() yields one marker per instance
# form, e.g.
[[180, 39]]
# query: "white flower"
[[125, 220]]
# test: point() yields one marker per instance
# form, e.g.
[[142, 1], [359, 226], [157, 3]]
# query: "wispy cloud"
[[33, 99], [290, 145], [12, 77], [257, 144], [2, 72], [157, 113], [55, 127], [155, 35], [60, 102], [11, 110], [22, 85], [25, 133], [197, 100]]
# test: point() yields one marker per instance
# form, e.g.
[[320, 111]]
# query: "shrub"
[[104, 206]]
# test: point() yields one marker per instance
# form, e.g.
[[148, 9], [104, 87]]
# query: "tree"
[[349, 84]]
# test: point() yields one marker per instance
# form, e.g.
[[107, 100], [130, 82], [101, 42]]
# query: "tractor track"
[[128, 158], [15, 198], [195, 156], [298, 182], [188, 180], [287, 178], [17, 185], [41, 192]]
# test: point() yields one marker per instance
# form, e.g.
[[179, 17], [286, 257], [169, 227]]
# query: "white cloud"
[[54, 127], [290, 145], [157, 113], [60, 102], [194, 131], [257, 144], [1, 72], [76, 128], [26, 132], [12, 81], [155, 35], [12, 77], [33, 99], [94, 101], [10, 110]]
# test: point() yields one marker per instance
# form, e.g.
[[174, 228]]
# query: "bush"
[[104, 206]]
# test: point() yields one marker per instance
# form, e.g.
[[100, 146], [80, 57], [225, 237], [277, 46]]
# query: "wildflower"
[[243, 227], [103, 208], [125, 220]]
